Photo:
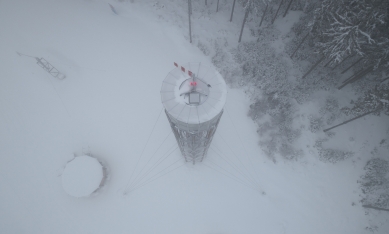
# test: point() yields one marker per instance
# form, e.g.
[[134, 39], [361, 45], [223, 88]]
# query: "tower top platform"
[[194, 93]]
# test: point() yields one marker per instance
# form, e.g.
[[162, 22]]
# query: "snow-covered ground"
[[109, 105]]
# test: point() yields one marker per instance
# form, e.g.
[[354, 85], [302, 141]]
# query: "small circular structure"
[[193, 96], [82, 176]]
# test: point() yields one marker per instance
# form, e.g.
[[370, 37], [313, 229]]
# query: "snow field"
[[108, 104]]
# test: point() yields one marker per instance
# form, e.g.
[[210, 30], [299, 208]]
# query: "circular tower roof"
[[82, 176], [193, 93]]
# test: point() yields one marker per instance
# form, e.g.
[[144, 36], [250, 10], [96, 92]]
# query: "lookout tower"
[[193, 96]]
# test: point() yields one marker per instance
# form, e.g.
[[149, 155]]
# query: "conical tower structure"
[[194, 96]]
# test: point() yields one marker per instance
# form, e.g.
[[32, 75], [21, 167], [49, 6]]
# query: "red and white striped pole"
[[183, 69], [194, 83]]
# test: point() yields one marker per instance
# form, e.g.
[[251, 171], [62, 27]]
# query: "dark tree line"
[[262, 9], [352, 35], [355, 33]]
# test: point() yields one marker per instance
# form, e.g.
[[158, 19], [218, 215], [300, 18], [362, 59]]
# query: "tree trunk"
[[382, 81], [358, 76], [205, 2], [373, 207], [287, 9], [189, 12], [348, 121], [349, 56], [263, 16], [352, 76], [313, 67], [367, 71], [299, 45], [217, 6], [329, 61], [232, 11], [351, 66], [244, 21], [277, 12]]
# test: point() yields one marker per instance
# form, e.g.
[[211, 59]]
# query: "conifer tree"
[[376, 99], [347, 27]]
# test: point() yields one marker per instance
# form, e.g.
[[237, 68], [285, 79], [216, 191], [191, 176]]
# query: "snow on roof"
[[82, 176], [190, 105]]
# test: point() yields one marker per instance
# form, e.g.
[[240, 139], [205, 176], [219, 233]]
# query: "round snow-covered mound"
[[82, 176]]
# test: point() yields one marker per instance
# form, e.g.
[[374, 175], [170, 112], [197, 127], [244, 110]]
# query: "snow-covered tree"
[[378, 53], [347, 27], [374, 183], [265, 70], [255, 6], [301, 31], [376, 100]]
